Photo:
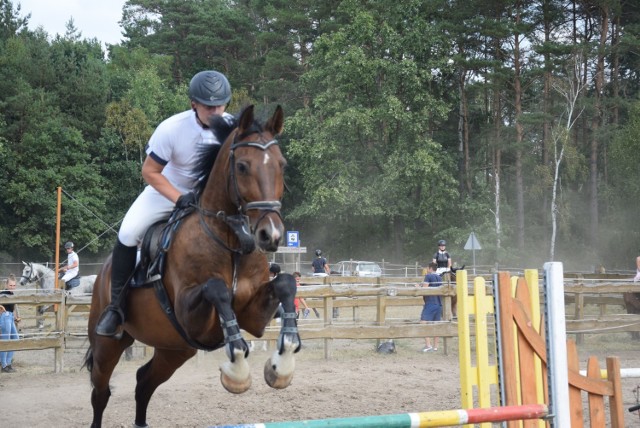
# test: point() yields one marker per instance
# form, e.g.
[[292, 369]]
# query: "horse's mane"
[[221, 127]]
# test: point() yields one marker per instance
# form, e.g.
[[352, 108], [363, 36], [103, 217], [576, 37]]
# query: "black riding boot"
[[123, 263]]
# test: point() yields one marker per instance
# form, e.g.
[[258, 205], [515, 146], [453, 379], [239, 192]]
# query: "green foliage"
[[376, 94]]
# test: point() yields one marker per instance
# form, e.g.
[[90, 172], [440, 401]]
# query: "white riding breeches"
[[69, 275], [149, 208]]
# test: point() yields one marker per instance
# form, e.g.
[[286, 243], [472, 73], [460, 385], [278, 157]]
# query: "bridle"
[[30, 279], [239, 223]]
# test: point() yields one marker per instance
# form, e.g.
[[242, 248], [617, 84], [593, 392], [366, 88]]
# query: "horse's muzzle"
[[270, 232]]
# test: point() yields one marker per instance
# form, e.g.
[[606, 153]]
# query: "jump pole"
[[557, 370], [443, 418]]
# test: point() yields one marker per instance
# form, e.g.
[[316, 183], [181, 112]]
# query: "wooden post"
[[328, 320], [579, 315], [381, 312], [61, 327], [57, 249]]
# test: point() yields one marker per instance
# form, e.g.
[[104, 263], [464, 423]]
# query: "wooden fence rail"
[[352, 295]]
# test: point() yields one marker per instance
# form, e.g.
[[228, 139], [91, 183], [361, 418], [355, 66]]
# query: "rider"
[[171, 155], [72, 268], [320, 266], [442, 258]]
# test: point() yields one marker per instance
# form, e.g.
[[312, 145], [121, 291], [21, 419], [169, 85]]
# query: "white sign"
[[293, 239], [302, 250], [472, 243]]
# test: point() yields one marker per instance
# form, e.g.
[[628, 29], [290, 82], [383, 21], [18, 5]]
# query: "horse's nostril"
[[264, 236]]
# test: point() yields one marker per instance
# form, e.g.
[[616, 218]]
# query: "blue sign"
[[293, 239]]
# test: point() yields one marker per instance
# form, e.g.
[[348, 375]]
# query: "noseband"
[[240, 223]]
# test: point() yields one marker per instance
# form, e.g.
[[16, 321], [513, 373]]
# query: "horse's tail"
[[88, 360]]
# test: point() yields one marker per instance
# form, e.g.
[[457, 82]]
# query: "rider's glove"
[[186, 200]]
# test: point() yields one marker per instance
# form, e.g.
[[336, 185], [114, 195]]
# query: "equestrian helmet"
[[442, 242], [318, 253], [68, 245], [210, 88]]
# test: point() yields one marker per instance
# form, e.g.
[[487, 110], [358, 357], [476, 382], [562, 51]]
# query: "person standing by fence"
[[299, 300], [432, 309], [320, 265], [8, 319], [637, 277]]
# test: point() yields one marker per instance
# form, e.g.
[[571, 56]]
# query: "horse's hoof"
[[233, 386], [273, 379]]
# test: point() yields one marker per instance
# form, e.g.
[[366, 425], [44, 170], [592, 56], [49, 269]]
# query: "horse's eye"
[[242, 168]]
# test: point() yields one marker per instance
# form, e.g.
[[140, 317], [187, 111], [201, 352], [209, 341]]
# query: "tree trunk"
[[463, 137], [596, 122], [546, 105], [517, 88]]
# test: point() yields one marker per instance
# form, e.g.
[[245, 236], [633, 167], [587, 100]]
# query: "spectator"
[[299, 300], [8, 329], [432, 309], [72, 268], [171, 155], [442, 258], [320, 265], [637, 277]]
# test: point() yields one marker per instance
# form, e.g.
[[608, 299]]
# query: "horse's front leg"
[[278, 370], [234, 374]]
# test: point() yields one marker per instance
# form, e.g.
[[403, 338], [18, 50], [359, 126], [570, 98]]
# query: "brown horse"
[[216, 280]]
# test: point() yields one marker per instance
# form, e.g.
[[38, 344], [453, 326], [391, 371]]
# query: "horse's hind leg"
[[157, 371], [105, 354], [278, 370]]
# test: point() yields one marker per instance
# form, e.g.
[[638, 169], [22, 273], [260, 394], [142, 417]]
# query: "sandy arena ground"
[[357, 381]]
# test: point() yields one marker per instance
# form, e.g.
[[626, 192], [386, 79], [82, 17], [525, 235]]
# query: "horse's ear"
[[246, 118], [24, 263], [276, 123]]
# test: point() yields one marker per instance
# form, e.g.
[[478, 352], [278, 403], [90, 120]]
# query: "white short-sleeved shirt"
[[72, 257], [174, 144]]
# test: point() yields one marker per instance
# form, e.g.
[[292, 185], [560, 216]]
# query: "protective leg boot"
[[123, 263]]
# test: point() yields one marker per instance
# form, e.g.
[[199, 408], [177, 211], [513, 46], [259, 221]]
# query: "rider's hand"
[[186, 200]]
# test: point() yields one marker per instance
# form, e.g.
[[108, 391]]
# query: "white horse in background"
[[45, 279]]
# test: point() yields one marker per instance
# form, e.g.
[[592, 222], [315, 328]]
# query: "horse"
[[44, 279], [215, 279]]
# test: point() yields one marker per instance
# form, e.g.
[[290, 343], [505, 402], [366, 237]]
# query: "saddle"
[[73, 282], [153, 251]]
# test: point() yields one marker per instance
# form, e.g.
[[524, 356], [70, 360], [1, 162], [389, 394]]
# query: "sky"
[[93, 18]]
